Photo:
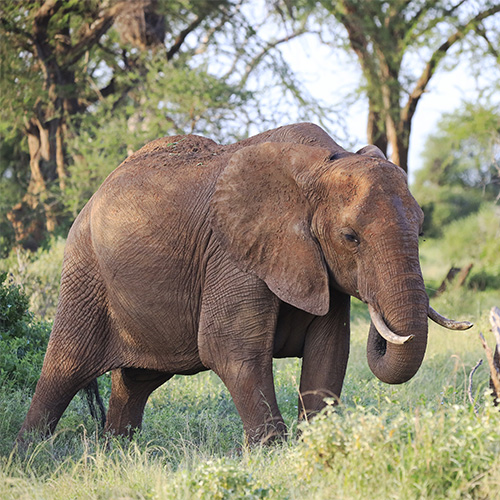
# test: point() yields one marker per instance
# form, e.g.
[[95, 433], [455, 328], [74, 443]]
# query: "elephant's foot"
[[271, 432], [43, 416]]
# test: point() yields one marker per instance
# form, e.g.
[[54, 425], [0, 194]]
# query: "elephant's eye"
[[351, 238]]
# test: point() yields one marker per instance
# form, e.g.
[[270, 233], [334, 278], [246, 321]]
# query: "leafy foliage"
[[39, 275], [476, 240], [450, 448], [22, 339], [444, 204], [465, 151], [400, 45], [179, 100], [221, 480], [69, 67], [461, 171], [13, 308]]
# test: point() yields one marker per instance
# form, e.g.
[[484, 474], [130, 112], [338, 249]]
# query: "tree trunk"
[[399, 147], [403, 139], [376, 129], [36, 214]]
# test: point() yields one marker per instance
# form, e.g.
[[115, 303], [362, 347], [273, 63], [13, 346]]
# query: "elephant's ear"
[[262, 219], [372, 151]]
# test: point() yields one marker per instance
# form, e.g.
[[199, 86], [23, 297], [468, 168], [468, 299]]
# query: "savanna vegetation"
[[84, 83]]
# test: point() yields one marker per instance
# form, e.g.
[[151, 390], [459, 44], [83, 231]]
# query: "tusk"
[[448, 323], [384, 330]]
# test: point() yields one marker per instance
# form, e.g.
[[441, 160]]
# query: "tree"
[[465, 151], [62, 59], [461, 168], [400, 45], [76, 72]]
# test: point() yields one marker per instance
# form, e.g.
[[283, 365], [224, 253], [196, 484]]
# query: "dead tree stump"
[[460, 273], [494, 360]]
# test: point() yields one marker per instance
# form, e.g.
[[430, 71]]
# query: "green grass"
[[419, 440]]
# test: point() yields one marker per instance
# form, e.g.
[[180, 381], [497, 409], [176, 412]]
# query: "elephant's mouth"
[[394, 358], [389, 336]]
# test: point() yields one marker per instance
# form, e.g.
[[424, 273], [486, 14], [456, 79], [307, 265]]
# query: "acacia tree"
[[86, 82], [60, 59], [400, 45]]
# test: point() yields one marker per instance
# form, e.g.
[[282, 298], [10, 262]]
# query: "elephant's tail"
[[96, 405]]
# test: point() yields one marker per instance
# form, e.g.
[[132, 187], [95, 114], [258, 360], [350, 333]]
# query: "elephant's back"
[[167, 157], [173, 152], [157, 186]]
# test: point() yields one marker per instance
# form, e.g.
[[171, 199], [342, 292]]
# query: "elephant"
[[197, 256]]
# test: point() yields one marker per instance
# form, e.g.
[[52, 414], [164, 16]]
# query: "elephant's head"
[[306, 220]]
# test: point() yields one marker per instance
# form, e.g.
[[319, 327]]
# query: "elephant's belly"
[[157, 331], [291, 331]]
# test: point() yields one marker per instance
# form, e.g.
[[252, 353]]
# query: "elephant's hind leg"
[[79, 351], [130, 390]]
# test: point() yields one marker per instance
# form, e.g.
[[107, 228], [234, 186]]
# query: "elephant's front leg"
[[326, 351], [236, 339], [251, 385]]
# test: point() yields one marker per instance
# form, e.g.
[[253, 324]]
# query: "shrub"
[[220, 480], [472, 240], [23, 340], [476, 239], [443, 204], [13, 308], [40, 275], [430, 454]]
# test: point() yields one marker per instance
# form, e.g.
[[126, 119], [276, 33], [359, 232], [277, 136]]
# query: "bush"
[[426, 455], [23, 340], [472, 240], [443, 204], [13, 308], [476, 239], [220, 480], [39, 273]]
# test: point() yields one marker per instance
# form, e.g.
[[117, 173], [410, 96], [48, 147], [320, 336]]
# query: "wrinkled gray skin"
[[195, 256]]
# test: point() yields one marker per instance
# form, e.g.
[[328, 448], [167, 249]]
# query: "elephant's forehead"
[[374, 192], [367, 180], [385, 208]]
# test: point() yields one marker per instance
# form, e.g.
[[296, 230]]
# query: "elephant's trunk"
[[405, 313]]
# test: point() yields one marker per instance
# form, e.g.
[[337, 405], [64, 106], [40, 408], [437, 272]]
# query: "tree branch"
[[439, 17], [182, 37], [269, 46], [482, 33], [109, 89], [46, 11], [226, 15], [430, 68], [15, 30], [495, 361], [359, 42], [97, 29], [469, 390], [40, 35]]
